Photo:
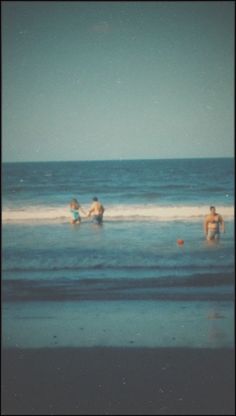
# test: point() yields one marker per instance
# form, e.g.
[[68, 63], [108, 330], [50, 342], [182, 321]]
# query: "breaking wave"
[[115, 213]]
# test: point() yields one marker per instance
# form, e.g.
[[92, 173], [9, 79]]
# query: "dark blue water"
[[181, 182], [133, 255], [127, 282]]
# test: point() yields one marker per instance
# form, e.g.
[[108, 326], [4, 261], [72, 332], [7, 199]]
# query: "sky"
[[117, 80]]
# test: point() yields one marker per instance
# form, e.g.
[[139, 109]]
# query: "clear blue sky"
[[110, 80]]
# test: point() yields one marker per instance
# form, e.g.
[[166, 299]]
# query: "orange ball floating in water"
[[180, 242]]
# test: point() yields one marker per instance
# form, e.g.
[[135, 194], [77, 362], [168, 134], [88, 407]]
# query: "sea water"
[[127, 282]]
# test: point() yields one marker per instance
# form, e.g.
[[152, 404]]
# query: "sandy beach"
[[107, 381]]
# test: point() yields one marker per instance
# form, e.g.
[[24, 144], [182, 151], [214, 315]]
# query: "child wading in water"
[[75, 207]]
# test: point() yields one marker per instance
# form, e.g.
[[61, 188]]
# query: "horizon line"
[[117, 160]]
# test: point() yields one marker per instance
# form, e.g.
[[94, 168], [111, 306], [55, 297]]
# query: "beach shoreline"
[[124, 323], [107, 381]]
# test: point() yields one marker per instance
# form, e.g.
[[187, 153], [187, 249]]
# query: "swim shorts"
[[97, 219], [213, 235]]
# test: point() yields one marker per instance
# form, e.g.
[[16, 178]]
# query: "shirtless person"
[[212, 225], [96, 210]]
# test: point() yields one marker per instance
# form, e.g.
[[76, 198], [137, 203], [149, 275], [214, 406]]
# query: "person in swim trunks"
[[212, 224], [75, 207], [96, 210]]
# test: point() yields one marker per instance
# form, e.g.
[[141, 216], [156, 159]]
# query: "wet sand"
[[112, 381]]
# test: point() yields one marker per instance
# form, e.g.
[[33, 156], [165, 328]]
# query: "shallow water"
[[118, 323], [127, 282]]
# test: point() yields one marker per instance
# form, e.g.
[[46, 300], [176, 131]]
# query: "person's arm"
[[90, 211], [81, 209], [222, 223], [205, 226]]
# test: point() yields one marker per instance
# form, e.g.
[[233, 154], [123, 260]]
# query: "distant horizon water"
[[118, 159]]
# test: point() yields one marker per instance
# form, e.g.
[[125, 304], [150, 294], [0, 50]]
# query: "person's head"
[[212, 209], [95, 199], [74, 203]]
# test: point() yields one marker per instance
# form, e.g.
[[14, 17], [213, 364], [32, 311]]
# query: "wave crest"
[[115, 213]]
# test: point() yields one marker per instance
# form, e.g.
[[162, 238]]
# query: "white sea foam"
[[115, 213]]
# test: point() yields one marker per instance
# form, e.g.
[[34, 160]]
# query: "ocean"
[[126, 282]]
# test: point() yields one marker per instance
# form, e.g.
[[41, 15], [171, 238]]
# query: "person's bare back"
[[96, 210]]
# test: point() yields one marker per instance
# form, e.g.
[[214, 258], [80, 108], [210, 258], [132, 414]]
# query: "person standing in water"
[[75, 207], [96, 210], [213, 224]]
